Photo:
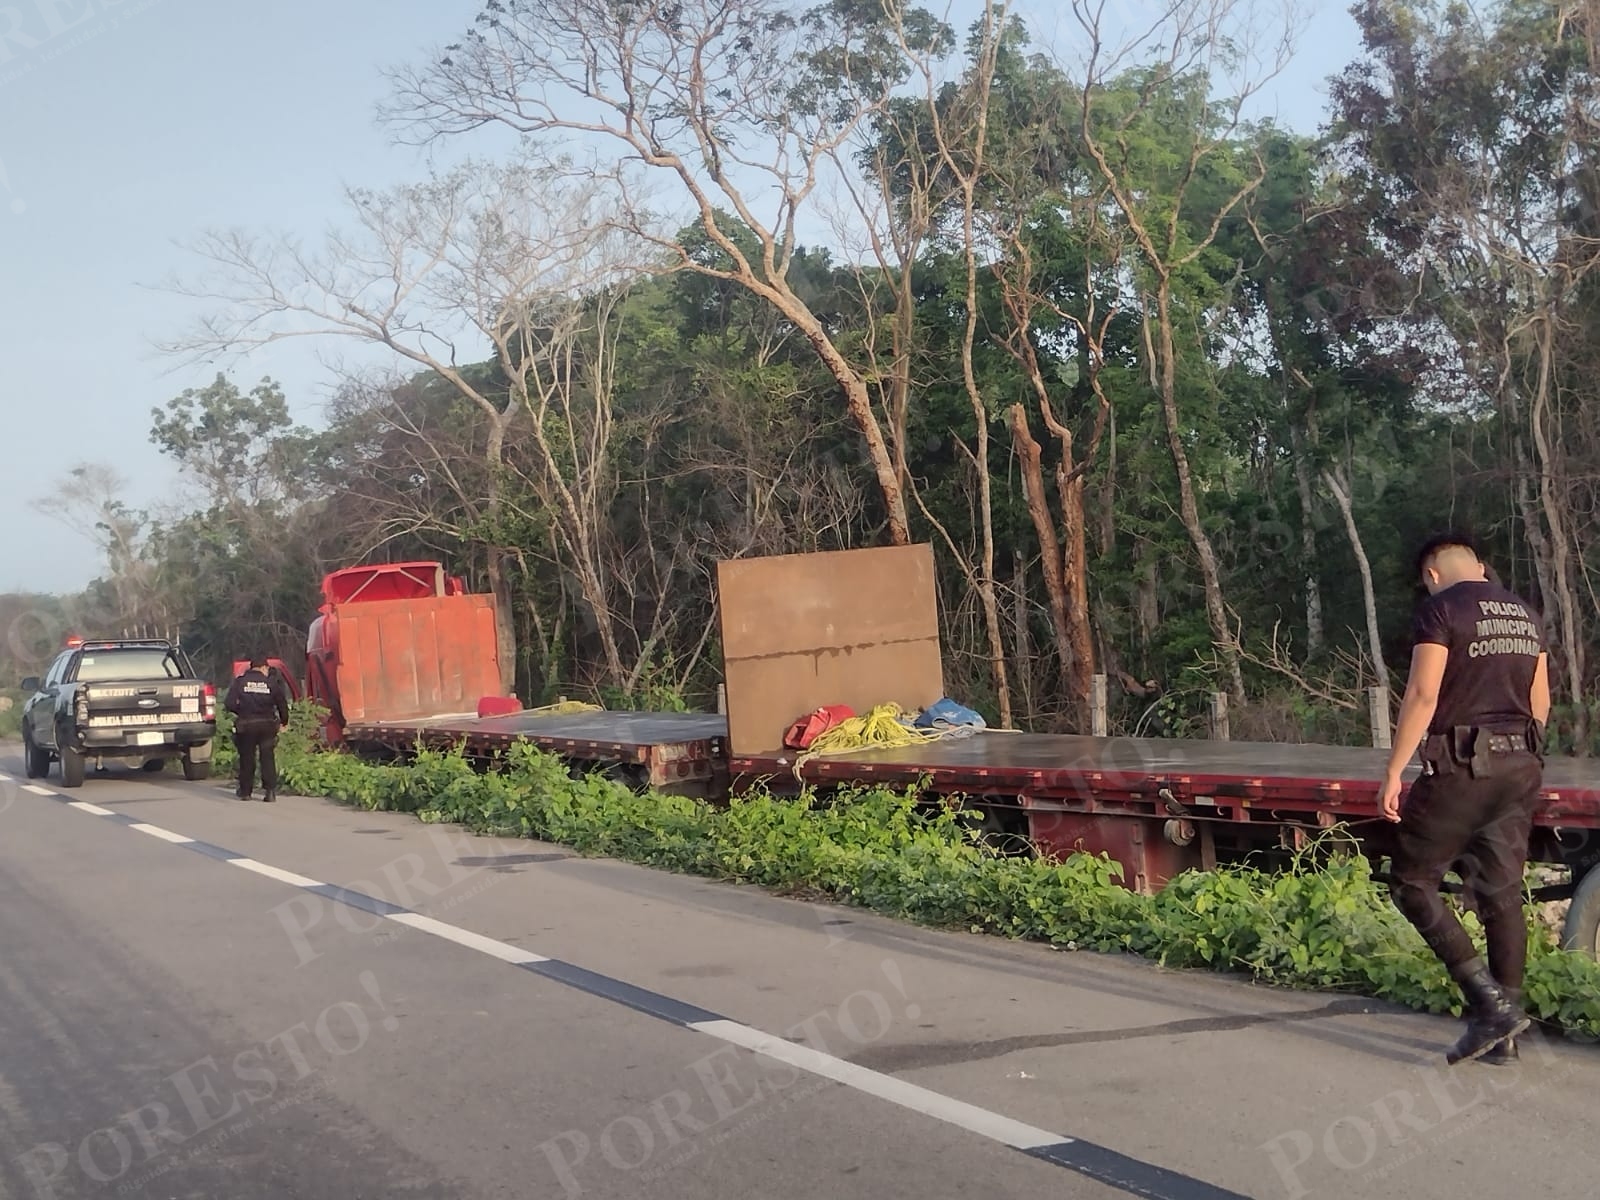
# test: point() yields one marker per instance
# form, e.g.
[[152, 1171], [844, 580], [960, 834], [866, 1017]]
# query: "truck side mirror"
[[31, 684]]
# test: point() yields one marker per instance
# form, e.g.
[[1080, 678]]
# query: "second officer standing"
[[259, 702]]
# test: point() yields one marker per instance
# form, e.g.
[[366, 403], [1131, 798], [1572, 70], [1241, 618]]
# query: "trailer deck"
[[1161, 806], [1068, 767], [1042, 773], [660, 750]]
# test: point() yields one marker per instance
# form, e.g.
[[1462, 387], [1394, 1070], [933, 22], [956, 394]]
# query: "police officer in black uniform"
[[259, 702], [1477, 700]]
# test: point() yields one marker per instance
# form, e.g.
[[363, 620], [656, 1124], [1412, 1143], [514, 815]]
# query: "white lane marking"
[[465, 937], [165, 835], [6, 779], [885, 1087], [282, 876], [85, 806], [905, 1095], [37, 790]]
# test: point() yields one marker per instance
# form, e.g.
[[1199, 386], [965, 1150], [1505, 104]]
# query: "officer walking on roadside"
[[1477, 700], [259, 702]]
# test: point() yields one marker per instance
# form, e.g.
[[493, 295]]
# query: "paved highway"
[[204, 998]]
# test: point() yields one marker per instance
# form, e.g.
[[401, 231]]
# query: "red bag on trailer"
[[814, 724], [498, 706]]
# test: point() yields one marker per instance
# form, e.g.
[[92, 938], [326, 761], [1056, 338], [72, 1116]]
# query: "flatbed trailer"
[[1157, 806], [665, 751], [400, 649]]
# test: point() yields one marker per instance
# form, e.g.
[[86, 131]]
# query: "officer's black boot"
[[1491, 1015], [1505, 1052]]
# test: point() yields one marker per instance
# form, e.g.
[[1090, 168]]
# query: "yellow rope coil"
[[886, 727], [567, 706]]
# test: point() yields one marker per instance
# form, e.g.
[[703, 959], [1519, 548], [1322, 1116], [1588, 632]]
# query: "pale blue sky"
[[129, 126]]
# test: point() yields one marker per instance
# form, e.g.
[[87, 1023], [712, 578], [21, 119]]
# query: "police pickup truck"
[[129, 699]]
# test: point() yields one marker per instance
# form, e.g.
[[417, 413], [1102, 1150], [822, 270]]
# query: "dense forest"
[[1172, 392]]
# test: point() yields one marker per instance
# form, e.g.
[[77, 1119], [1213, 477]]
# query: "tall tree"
[[720, 99], [1163, 136], [241, 566], [430, 263], [1462, 135], [90, 500]]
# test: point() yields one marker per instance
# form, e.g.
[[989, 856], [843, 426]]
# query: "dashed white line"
[[6, 779], [465, 937], [909, 1096], [37, 790], [886, 1087], [278, 873], [165, 835]]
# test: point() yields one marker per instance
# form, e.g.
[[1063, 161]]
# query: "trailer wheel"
[[632, 776], [1582, 930], [1003, 828], [72, 765]]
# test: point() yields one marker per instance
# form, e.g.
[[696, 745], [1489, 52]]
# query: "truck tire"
[[71, 768], [1003, 828], [154, 766], [194, 771], [36, 762], [1582, 930]]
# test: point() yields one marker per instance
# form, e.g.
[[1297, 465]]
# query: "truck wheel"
[[1582, 930], [154, 766], [193, 771], [1003, 828], [36, 762], [71, 767]]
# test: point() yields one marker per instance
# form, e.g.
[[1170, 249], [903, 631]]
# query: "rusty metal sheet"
[[856, 627], [404, 659]]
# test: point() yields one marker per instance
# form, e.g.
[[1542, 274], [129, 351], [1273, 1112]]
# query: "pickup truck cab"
[[129, 699]]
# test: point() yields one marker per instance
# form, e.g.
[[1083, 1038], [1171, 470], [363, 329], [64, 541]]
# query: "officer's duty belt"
[[1471, 747]]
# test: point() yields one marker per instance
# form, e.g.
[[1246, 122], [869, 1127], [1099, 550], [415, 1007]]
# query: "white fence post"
[[1378, 711], [1219, 716]]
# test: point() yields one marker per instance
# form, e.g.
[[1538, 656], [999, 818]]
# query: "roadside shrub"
[[11, 702]]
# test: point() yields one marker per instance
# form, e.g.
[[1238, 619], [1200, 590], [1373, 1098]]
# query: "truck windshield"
[[110, 666]]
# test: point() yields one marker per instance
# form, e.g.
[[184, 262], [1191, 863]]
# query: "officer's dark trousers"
[[251, 737], [1479, 828]]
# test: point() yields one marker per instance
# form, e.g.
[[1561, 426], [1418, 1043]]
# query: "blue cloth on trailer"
[[947, 713]]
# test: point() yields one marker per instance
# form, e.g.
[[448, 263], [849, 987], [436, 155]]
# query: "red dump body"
[[400, 642]]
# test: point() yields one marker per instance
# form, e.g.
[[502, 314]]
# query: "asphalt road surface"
[[203, 998]]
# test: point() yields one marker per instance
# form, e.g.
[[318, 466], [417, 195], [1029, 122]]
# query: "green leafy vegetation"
[[1328, 927], [11, 702]]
